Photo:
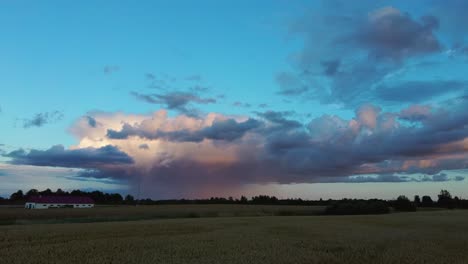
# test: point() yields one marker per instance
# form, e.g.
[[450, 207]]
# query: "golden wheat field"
[[422, 237]]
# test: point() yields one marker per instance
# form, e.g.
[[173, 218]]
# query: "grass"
[[19, 215], [421, 237]]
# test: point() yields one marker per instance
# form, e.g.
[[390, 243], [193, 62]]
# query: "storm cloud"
[[193, 154]]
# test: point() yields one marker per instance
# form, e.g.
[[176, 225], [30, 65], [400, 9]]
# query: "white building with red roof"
[[45, 202]]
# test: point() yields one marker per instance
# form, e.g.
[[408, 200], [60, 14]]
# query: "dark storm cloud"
[[332, 147], [58, 156], [179, 101], [225, 130], [326, 149], [41, 119], [418, 91]]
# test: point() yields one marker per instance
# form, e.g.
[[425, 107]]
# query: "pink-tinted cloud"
[[233, 151]]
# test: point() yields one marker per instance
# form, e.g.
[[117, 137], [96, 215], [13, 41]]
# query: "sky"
[[193, 99]]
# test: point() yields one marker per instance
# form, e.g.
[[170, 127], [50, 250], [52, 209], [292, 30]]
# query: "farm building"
[[45, 202]]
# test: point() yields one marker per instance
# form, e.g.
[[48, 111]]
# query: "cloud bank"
[[197, 155]]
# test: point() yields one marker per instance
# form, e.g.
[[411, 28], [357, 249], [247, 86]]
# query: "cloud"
[[110, 69], [459, 178], [199, 88], [41, 119], [180, 101], [440, 177], [359, 53], [195, 77], [58, 156], [225, 130], [419, 91], [290, 85], [91, 121], [143, 146], [192, 156], [280, 118], [240, 104], [415, 113], [331, 67], [390, 33]]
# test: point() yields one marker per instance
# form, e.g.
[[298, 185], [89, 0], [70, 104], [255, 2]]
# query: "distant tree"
[[243, 200], [445, 200], [457, 202], [32, 192], [417, 200], [402, 203], [60, 192], [46, 192], [17, 196], [129, 199], [427, 201], [357, 207]]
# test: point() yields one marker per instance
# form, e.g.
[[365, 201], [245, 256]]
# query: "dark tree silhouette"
[[17, 196], [445, 200], [357, 207], [129, 199], [32, 192], [427, 201], [417, 201], [402, 203]]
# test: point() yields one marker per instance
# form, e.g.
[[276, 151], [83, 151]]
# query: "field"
[[18, 215], [422, 237]]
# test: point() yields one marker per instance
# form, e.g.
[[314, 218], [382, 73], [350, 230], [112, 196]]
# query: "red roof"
[[61, 200]]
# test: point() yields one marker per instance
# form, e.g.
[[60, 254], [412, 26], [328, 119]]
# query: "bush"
[[357, 207]]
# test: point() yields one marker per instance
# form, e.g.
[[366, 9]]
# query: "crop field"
[[421, 237], [19, 215]]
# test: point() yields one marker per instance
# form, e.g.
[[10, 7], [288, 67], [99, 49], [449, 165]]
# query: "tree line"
[[343, 206]]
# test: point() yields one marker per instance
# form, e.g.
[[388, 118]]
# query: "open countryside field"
[[19, 215], [421, 237]]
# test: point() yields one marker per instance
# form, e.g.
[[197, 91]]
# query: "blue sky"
[[328, 78]]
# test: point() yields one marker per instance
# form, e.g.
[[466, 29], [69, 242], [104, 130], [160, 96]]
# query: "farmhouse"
[[45, 202]]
